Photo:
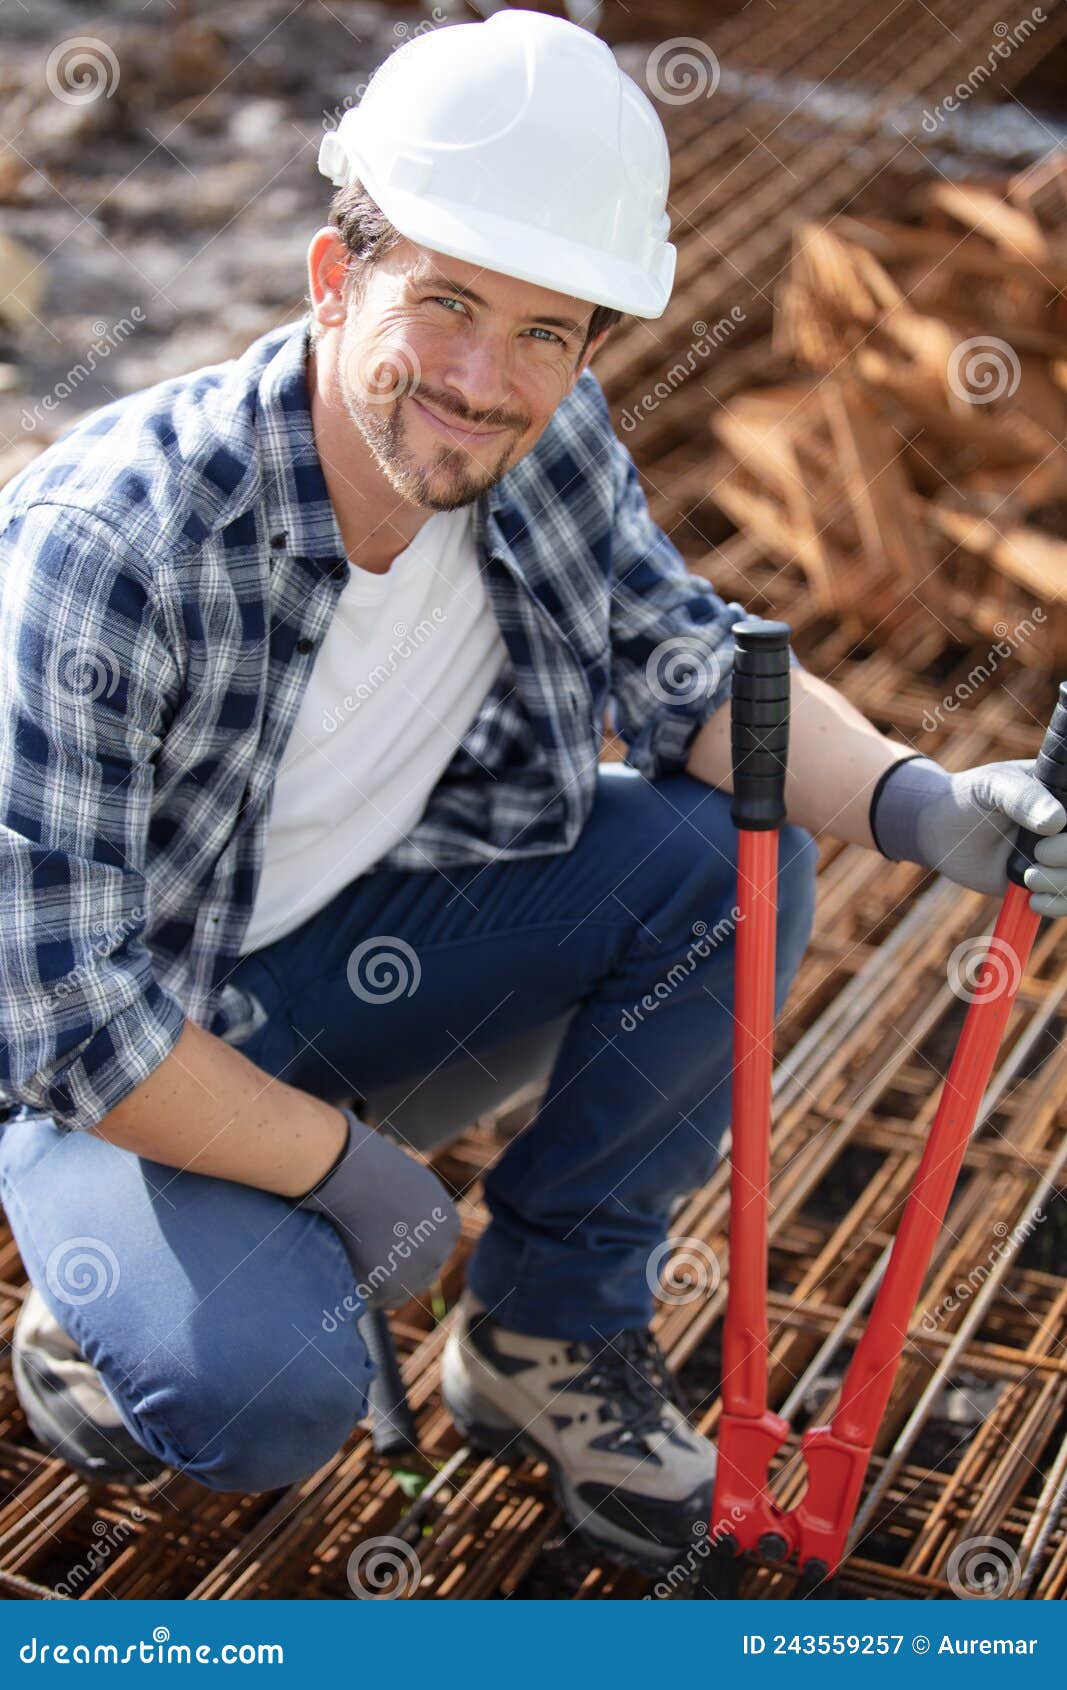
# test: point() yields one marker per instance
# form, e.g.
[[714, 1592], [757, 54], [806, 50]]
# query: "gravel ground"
[[166, 219]]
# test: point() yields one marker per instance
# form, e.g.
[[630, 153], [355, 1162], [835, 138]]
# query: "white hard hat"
[[520, 145]]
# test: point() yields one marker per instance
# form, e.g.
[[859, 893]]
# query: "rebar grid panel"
[[866, 1034], [862, 1045], [743, 176]]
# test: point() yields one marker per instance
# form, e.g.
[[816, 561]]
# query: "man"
[[305, 660]]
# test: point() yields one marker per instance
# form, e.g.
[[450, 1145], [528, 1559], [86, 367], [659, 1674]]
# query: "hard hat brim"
[[501, 244]]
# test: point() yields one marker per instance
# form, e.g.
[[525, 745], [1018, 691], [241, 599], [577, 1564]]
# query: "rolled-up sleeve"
[[86, 672], [671, 636]]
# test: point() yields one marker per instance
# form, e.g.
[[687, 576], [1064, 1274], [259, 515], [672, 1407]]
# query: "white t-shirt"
[[400, 676]]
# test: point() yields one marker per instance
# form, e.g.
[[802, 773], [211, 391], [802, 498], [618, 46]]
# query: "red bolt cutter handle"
[[743, 1513], [749, 1434]]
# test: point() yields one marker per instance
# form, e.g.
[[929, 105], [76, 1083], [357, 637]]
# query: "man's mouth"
[[449, 427]]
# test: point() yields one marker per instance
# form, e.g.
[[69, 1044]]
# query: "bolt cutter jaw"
[[742, 1509], [744, 1516], [836, 1470], [743, 1513]]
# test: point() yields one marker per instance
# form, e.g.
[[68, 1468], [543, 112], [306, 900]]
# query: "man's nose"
[[479, 376]]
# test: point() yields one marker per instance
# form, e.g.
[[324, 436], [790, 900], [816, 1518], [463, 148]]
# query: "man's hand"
[[965, 826], [395, 1218]]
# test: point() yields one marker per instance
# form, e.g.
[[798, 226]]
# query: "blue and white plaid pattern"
[[168, 569]]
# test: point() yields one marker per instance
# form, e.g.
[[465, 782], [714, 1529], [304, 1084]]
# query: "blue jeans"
[[206, 1298]]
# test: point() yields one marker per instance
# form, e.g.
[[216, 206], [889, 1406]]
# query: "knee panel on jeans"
[[264, 1427]]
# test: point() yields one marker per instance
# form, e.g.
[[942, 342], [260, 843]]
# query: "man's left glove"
[[965, 825], [395, 1218]]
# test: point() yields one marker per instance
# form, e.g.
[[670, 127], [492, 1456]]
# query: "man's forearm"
[[208, 1109], [835, 758]]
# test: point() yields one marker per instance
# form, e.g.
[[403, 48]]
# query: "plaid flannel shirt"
[[168, 569]]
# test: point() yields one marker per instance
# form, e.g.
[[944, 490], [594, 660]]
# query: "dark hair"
[[368, 235]]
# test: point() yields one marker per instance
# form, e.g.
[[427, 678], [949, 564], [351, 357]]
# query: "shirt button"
[[277, 541], [304, 646]]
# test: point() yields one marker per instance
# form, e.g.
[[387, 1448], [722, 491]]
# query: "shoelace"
[[630, 1372]]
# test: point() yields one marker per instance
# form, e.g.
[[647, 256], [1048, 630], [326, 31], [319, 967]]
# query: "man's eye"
[[451, 300]]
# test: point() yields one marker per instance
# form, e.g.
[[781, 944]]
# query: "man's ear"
[[327, 263]]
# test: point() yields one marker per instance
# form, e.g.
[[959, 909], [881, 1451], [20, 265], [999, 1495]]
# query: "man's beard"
[[452, 480]]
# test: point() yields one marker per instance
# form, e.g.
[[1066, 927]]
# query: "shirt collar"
[[294, 492]]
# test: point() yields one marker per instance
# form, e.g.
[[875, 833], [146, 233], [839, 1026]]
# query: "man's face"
[[451, 373]]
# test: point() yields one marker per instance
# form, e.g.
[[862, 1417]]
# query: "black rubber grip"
[[392, 1422], [1050, 768], [759, 723]]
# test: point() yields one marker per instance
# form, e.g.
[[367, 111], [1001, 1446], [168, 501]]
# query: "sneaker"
[[628, 1470], [66, 1405]]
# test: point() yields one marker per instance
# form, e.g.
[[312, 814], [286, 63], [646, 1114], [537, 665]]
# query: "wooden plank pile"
[[920, 451]]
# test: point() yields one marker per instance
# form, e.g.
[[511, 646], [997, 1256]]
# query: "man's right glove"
[[965, 825], [396, 1220]]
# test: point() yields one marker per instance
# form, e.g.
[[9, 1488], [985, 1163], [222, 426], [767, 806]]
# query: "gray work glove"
[[966, 825], [396, 1220]]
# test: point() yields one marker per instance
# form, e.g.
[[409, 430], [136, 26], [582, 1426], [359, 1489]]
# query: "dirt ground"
[[167, 222]]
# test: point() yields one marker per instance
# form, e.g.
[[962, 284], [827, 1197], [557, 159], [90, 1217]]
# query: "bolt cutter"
[[744, 1515]]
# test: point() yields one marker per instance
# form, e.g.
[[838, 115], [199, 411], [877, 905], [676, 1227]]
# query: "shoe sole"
[[510, 1445]]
